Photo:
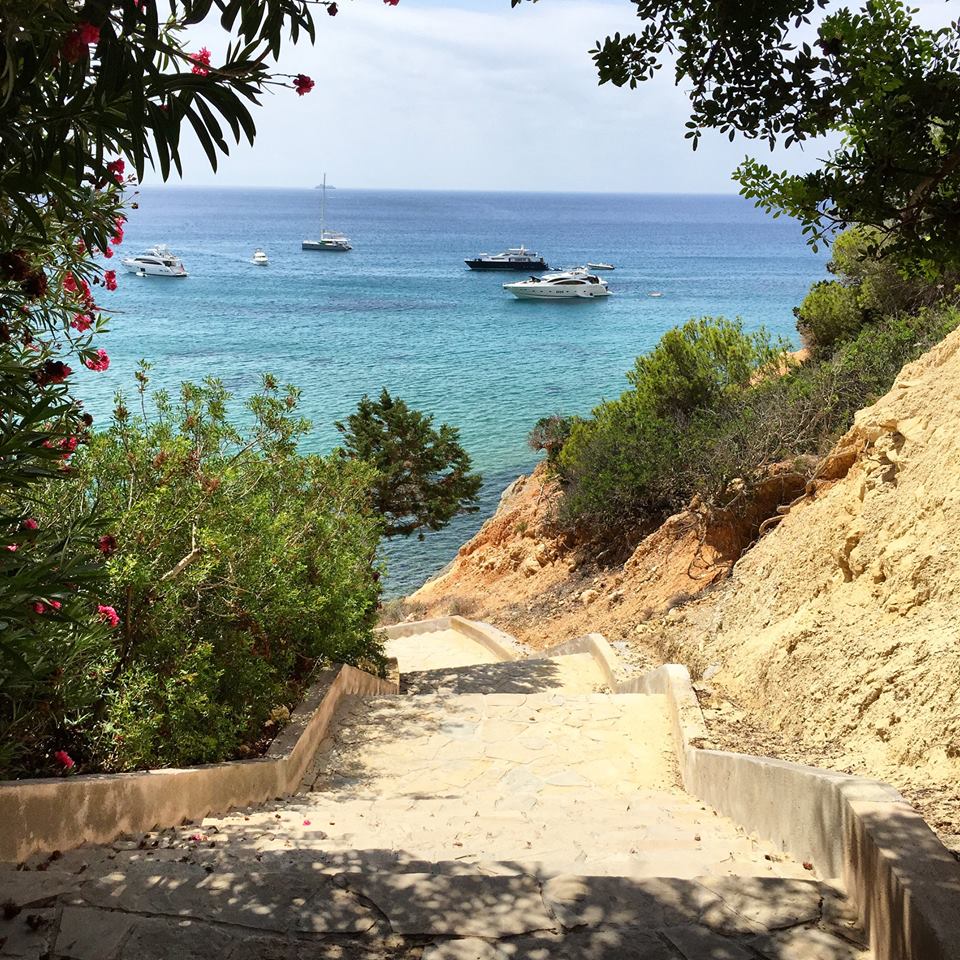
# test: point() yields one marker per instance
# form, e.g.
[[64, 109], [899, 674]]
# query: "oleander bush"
[[236, 565]]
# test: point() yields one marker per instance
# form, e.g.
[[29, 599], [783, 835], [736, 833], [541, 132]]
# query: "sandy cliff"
[[835, 639]]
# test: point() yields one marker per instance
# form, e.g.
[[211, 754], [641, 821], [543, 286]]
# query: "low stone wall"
[[57, 814], [905, 883], [500, 644], [597, 646]]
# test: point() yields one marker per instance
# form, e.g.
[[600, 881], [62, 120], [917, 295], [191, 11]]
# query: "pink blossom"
[[302, 84], [64, 759], [81, 322], [56, 604], [101, 363], [201, 62], [391, 3], [12, 547], [116, 167], [29, 524], [107, 252], [306, 823], [39, 607], [108, 615], [89, 34], [110, 279], [107, 544]]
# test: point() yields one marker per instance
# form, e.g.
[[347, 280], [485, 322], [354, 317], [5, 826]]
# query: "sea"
[[402, 311]]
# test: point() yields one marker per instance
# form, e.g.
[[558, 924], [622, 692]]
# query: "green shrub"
[[621, 465], [830, 313], [550, 434], [627, 468], [236, 565]]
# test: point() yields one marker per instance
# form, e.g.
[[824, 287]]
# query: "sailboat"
[[329, 240]]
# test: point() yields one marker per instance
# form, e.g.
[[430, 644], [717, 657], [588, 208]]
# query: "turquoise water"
[[401, 310]]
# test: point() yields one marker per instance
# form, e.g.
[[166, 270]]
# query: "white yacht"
[[572, 284], [600, 266], [158, 261], [259, 258], [329, 240], [513, 258]]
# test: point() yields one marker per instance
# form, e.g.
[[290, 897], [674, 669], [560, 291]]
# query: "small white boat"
[[259, 258], [601, 266], [570, 285], [329, 240], [158, 261], [655, 293]]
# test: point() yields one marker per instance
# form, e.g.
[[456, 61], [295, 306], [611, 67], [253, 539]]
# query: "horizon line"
[[621, 193]]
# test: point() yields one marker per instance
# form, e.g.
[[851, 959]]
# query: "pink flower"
[[70, 283], [52, 371], [116, 167], [12, 547], [302, 84], [201, 61], [107, 544], [107, 252], [89, 34], [29, 524], [391, 3], [117, 238], [101, 363], [306, 823], [81, 322], [78, 41], [110, 279], [56, 604], [64, 759], [108, 615], [39, 607]]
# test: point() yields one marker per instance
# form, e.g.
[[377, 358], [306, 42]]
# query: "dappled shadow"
[[187, 899], [512, 676]]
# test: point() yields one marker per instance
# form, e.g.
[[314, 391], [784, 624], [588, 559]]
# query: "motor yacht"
[[158, 261], [600, 266], [329, 240], [259, 258], [570, 285], [513, 258]]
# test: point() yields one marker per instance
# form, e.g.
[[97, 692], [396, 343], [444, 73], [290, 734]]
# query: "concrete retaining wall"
[[905, 883], [597, 646], [57, 814]]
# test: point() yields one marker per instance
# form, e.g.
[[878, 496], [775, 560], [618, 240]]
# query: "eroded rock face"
[[844, 622]]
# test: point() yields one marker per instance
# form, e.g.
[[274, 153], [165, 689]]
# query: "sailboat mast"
[[323, 205]]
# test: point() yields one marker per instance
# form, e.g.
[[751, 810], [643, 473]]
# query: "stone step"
[[573, 673]]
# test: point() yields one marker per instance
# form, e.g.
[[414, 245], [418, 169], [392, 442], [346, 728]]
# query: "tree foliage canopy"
[[424, 477], [788, 71]]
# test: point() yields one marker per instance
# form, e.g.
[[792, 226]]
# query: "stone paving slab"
[[437, 649]]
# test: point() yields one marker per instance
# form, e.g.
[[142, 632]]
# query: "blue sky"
[[472, 94]]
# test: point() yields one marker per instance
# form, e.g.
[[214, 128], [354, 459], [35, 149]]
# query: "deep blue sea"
[[401, 310]]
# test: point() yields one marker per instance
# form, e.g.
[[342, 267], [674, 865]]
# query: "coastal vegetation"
[[712, 409], [170, 583], [422, 476]]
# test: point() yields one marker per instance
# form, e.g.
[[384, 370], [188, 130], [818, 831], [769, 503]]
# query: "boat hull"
[[530, 266], [523, 292], [152, 270], [325, 247]]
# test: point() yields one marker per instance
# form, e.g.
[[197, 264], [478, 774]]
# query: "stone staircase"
[[492, 810]]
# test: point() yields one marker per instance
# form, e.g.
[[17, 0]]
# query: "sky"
[[434, 94]]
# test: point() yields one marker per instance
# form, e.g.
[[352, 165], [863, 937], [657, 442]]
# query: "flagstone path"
[[492, 811]]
